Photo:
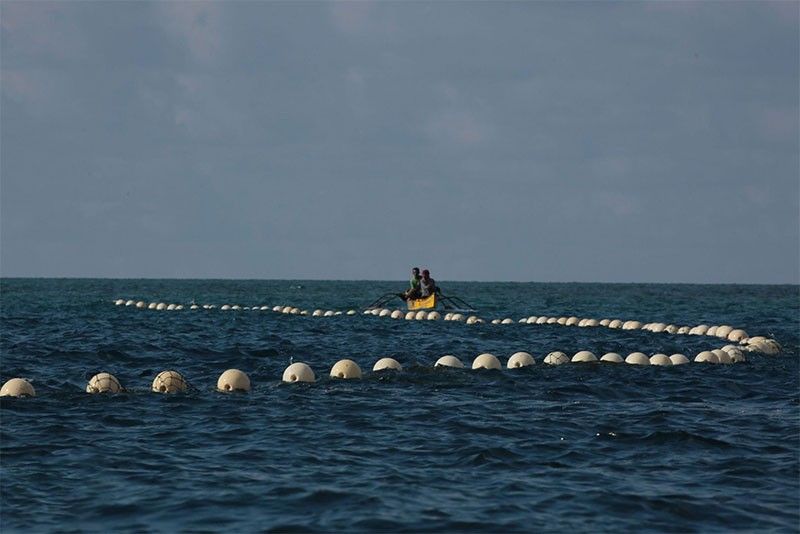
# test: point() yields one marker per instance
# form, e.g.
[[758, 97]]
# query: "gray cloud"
[[524, 141]]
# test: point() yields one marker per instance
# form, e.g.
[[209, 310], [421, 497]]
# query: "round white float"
[[410, 316], [457, 317], [298, 372], [486, 361], [396, 314], [611, 357], [542, 320], [723, 331], [345, 369], [449, 361], [722, 356], [520, 359], [532, 319], [421, 315], [103, 383], [584, 356], [384, 312], [472, 319], [387, 363], [556, 358], [169, 382], [571, 321], [615, 323], [737, 335], [631, 325], [706, 357], [637, 358], [678, 359], [233, 380], [660, 359], [434, 316], [17, 387], [507, 321], [141, 304]]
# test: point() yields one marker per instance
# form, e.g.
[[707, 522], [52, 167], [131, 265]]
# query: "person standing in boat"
[[427, 285], [413, 291]]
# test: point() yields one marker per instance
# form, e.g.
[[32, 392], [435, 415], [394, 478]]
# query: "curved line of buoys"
[[234, 380], [745, 342]]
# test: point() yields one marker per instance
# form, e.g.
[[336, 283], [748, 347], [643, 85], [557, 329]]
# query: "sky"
[[502, 141]]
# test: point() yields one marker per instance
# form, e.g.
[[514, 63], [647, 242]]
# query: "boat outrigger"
[[438, 300]]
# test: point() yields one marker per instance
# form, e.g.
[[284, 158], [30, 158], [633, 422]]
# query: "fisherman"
[[413, 291], [427, 285]]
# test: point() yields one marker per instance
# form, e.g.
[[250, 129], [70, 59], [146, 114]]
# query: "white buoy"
[[294, 311], [286, 309], [735, 354], [386, 364], [552, 320], [520, 359], [141, 304], [161, 306], [571, 321], [421, 315], [351, 312], [233, 380], [384, 312], [317, 313], [584, 356], [170, 307], [169, 382], [486, 361], [712, 331], [328, 313], [605, 322], [194, 307], [457, 317], [410, 316], [657, 328], [660, 359], [396, 314], [298, 372], [434, 316], [671, 329], [449, 361], [722, 356], [556, 358], [277, 309], [637, 358], [706, 357], [103, 383], [611, 357], [615, 323], [532, 319], [682, 330], [699, 330], [152, 305], [507, 320], [737, 335], [631, 325], [521, 321], [345, 369], [723, 331], [581, 323], [472, 319], [542, 320], [17, 387], [264, 308], [678, 359], [129, 303], [448, 316], [119, 302], [495, 321], [225, 307]]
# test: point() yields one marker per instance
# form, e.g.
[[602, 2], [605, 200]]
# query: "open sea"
[[575, 447]]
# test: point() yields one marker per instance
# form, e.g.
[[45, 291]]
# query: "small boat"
[[448, 303]]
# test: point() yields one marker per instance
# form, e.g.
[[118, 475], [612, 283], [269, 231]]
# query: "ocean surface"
[[576, 447]]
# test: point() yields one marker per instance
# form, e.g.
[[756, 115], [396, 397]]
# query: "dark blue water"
[[574, 447]]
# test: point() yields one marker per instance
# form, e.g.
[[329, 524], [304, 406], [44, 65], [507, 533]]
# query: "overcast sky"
[[607, 142]]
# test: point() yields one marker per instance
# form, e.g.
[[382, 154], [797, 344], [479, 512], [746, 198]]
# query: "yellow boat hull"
[[422, 304]]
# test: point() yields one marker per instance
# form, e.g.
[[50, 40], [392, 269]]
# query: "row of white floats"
[[725, 332], [236, 380]]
